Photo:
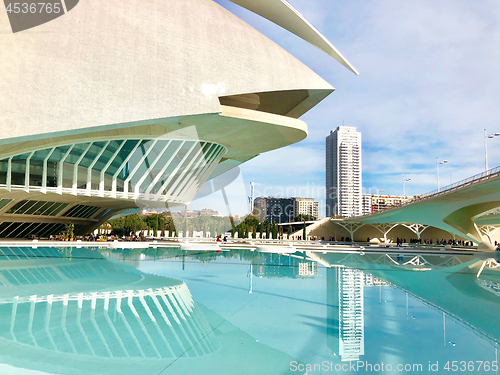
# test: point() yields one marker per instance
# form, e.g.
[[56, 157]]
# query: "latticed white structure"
[[97, 308], [152, 169]]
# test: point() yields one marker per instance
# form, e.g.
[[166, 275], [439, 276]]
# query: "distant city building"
[[284, 210], [305, 206], [383, 202], [343, 172], [367, 204], [195, 213], [277, 210]]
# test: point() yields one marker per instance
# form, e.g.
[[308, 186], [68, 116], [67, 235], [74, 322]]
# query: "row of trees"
[[252, 225], [213, 224], [158, 222]]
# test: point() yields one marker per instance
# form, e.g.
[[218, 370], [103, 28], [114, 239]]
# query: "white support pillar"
[[385, 228], [60, 170], [188, 171], [207, 159], [89, 169], [124, 163], [416, 228], [44, 173], [9, 173], [75, 169], [136, 168], [489, 231], [162, 171], [205, 173], [201, 166], [151, 166], [172, 175], [350, 226], [27, 173], [101, 179]]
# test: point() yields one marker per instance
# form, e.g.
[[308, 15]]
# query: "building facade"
[[343, 172], [367, 204], [305, 206], [284, 210], [105, 112], [275, 210], [384, 202]]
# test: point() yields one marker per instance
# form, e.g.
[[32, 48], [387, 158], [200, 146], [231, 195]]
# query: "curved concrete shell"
[[114, 102]]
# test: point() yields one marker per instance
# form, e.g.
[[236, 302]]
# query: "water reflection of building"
[[345, 312], [271, 265], [371, 280], [73, 311], [94, 307]]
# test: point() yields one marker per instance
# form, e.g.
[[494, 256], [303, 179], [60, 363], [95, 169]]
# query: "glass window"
[[102, 214]]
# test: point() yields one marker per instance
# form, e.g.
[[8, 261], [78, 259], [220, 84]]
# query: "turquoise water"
[[167, 311]]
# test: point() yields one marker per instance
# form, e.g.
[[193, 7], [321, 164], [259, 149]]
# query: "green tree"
[[303, 217], [275, 231]]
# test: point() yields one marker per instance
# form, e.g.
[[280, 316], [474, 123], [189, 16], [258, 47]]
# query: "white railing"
[[462, 184]]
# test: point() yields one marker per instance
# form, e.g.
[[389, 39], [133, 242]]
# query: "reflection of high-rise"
[[345, 319], [271, 265]]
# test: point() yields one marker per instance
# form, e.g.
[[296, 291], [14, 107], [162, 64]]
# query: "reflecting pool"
[[169, 311]]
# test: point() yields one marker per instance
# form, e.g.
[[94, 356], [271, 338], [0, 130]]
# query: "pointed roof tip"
[[285, 15]]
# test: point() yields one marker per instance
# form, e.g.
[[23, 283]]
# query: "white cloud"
[[429, 83]]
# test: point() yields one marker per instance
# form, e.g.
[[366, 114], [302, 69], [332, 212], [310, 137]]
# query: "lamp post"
[[404, 182], [437, 169], [486, 147]]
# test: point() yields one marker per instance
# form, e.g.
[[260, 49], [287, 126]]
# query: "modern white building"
[[343, 172], [114, 106]]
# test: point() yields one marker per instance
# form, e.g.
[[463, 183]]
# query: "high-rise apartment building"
[[343, 172]]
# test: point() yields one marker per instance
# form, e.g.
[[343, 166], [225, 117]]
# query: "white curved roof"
[[110, 62], [285, 15]]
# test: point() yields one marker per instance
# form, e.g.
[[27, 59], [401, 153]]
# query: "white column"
[[44, 173], [75, 168], [101, 180], [60, 170], [115, 176], [27, 173], [160, 174], [89, 169], [136, 168]]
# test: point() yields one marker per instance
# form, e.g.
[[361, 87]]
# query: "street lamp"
[[486, 147], [404, 182], [437, 169]]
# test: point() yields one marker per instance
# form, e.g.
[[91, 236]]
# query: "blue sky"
[[429, 84]]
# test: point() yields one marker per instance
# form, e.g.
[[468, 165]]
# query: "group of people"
[[401, 241]]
